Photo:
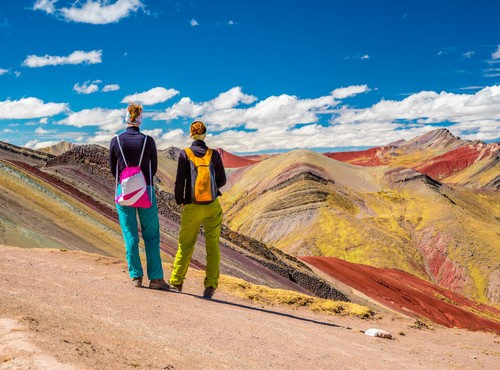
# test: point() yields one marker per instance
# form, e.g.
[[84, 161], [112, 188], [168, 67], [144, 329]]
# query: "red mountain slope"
[[410, 295], [456, 160], [369, 157], [234, 161]]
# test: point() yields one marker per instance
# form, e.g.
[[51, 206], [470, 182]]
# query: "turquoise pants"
[[150, 227], [193, 215]]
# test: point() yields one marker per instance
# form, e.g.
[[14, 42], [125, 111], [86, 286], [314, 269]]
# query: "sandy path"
[[72, 310]]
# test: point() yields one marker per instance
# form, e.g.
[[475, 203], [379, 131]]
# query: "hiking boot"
[[137, 282], [159, 284], [208, 293], [176, 287]]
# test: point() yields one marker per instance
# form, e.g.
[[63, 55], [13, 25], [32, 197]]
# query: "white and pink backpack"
[[133, 183]]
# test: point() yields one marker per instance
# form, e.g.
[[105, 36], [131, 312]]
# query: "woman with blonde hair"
[[132, 148], [200, 175]]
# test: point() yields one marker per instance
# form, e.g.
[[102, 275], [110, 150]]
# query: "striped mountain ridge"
[[438, 154], [389, 217]]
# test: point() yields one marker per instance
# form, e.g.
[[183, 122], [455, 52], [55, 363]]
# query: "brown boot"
[[159, 284]]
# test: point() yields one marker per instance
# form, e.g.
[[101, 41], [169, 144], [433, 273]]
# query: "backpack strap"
[[121, 150], [143, 147], [199, 161]]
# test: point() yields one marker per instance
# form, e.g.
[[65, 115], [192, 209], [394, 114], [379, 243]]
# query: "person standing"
[[200, 175], [132, 148]]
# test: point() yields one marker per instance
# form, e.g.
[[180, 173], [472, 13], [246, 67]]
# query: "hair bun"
[[197, 128]]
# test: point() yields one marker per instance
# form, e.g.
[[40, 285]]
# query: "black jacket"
[[183, 178], [131, 142]]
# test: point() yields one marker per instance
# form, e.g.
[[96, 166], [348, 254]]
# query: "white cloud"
[[27, 108], [4, 71], [365, 56], [346, 92], [223, 102], [194, 23], [7, 130], [101, 138], [45, 5], [468, 54], [77, 57], [111, 87], [17, 74], [44, 120], [230, 23], [286, 122], [496, 54], [92, 11], [154, 133], [106, 119], [154, 96], [41, 131], [431, 105], [87, 87]]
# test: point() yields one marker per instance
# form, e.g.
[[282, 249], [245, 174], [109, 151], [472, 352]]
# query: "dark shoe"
[[137, 282], [177, 287], [159, 284], [208, 293]]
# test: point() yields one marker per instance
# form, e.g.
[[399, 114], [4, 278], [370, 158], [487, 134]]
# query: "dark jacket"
[[183, 178], [132, 141]]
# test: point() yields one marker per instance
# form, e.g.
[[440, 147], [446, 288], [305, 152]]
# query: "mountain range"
[[428, 207]]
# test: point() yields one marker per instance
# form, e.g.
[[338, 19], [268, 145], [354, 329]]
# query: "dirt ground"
[[71, 310]]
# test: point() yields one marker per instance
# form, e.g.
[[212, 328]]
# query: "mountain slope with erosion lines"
[[309, 205]]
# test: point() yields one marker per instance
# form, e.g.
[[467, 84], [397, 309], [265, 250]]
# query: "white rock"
[[378, 333]]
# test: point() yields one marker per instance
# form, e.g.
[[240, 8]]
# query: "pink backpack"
[[133, 183]]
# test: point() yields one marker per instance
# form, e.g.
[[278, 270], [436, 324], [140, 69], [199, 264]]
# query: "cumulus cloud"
[[41, 131], [194, 23], [92, 12], [496, 54], [28, 108], [45, 5], [435, 107], [107, 119], [222, 103], [4, 71], [111, 87], [154, 96], [77, 57], [365, 56], [346, 92], [287, 122], [87, 87]]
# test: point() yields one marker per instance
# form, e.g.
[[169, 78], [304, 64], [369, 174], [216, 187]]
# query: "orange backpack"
[[203, 184]]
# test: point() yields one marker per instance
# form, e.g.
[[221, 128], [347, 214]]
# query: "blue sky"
[[264, 75]]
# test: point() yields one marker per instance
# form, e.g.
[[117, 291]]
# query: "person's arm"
[[154, 157], [180, 179], [112, 157], [220, 173]]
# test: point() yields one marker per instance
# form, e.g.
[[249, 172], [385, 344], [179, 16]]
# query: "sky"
[[265, 76]]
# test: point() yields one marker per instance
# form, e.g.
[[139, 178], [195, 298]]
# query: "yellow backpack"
[[203, 184]]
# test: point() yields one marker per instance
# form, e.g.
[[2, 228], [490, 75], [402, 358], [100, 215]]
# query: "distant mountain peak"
[[59, 148]]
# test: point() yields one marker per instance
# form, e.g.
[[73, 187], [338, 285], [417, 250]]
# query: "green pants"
[[193, 215]]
